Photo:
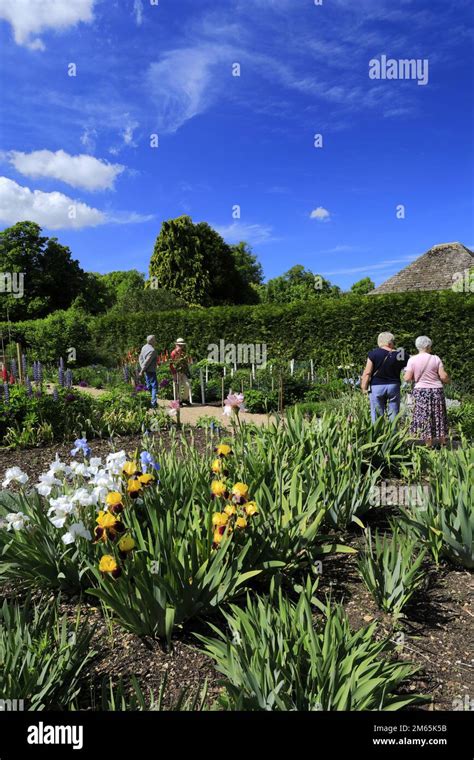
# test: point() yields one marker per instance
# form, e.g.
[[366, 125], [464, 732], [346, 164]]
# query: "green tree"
[[193, 262], [362, 287], [247, 264], [52, 279], [298, 284]]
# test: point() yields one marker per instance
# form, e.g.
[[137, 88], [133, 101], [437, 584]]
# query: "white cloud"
[[31, 17], [182, 85], [251, 233], [55, 211], [52, 210], [321, 214], [138, 12], [80, 171]]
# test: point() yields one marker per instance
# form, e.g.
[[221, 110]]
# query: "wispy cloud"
[[138, 12], [381, 265], [256, 234], [182, 84], [342, 249]]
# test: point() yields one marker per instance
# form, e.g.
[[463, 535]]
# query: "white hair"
[[423, 342], [150, 338], [385, 339]]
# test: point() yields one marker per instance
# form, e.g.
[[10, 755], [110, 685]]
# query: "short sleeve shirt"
[[387, 365]]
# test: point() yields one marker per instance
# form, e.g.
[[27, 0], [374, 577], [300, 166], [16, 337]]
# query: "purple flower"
[[6, 391], [70, 397], [14, 368], [55, 393], [61, 363], [164, 383], [126, 373], [23, 364], [29, 389], [82, 384], [69, 378], [61, 379], [139, 388], [80, 444], [147, 460]]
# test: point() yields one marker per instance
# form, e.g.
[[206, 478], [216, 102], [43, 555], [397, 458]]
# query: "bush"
[[273, 657], [320, 329], [260, 401]]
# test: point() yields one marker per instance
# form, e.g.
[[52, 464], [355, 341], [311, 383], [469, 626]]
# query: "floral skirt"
[[430, 419]]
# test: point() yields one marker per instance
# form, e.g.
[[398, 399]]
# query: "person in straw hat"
[[179, 367]]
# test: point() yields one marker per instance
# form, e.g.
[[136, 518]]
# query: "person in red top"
[[179, 367]]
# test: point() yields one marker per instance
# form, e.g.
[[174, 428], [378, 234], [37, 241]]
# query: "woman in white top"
[[430, 420]]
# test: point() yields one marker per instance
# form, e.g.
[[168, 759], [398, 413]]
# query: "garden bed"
[[434, 633]]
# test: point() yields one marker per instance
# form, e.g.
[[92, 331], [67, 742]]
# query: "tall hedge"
[[329, 330]]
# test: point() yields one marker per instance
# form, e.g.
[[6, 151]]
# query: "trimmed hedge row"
[[330, 331]]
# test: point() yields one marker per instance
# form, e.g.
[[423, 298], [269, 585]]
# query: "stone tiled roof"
[[433, 270]]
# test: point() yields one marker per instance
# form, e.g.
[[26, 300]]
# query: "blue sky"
[[166, 69]]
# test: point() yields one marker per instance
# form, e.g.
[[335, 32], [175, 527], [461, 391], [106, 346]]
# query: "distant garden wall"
[[329, 330]]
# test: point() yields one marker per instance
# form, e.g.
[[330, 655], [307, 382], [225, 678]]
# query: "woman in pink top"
[[430, 420]]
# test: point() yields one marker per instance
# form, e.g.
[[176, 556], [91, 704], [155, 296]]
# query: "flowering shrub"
[[51, 535]]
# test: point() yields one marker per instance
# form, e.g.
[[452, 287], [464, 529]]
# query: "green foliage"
[[130, 697], [391, 569], [175, 573], [298, 284], [247, 264], [43, 656], [324, 329], [274, 657], [261, 401], [52, 279], [461, 418], [30, 421], [362, 287], [36, 557], [444, 517], [193, 262]]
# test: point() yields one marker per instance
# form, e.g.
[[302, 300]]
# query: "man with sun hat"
[[179, 367]]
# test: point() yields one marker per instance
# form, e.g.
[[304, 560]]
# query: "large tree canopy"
[[298, 284], [193, 262], [52, 279]]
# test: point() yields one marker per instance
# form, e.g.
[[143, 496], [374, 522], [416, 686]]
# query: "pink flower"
[[173, 409], [234, 403]]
